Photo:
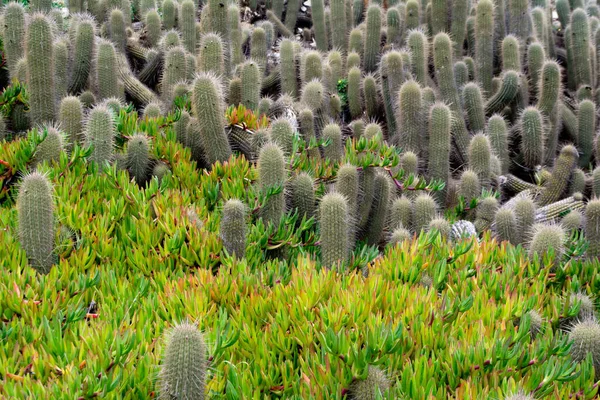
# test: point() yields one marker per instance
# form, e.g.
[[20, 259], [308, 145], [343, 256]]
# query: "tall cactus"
[[233, 227], [580, 47], [13, 33], [442, 60], [83, 54], [419, 48], [251, 79], [211, 55], [40, 69], [100, 134], [187, 25], [532, 141], [592, 227], [373, 38], [410, 117], [439, 146], [561, 175], [209, 109], [174, 71], [484, 40], [106, 71], [586, 124]]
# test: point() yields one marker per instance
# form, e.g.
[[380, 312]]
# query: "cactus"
[[592, 227], [525, 211], [106, 71], [282, 134], [473, 103], [373, 38], [394, 26], [334, 150], [507, 92], [272, 174], [236, 55], [441, 226], [339, 35], [485, 213], [170, 39], [518, 19], [469, 185], [439, 146], [511, 53], [410, 117], [258, 48], [187, 24], [289, 77], [480, 153], [13, 35], [347, 184], [335, 232], [208, 107], [424, 210], [585, 336], [561, 174], [506, 226], [174, 72], [460, 10], [251, 78], [100, 133], [462, 230], [419, 48], [36, 221], [318, 17], [398, 236], [580, 47], [573, 221], [400, 213], [379, 209], [442, 59], [484, 41], [355, 44], [211, 56], [40, 69], [497, 132], [311, 66], [303, 195], [371, 96], [169, 14], [233, 227], [49, 150], [83, 54], [535, 61], [545, 238], [586, 124], [354, 94], [412, 16], [116, 32], [409, 162], [532, 140], [152, 110], [138, 158], [439, 16], [376, 384], [183, 372], [461, 74], [307, 129], [61, 73]]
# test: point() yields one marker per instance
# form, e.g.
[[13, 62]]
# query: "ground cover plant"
[[330, 200]]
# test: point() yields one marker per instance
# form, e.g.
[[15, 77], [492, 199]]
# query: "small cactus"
[[183, 372], [100, 133], [545, 238], [36, 221], [585, 336], [272, 175], [233, 227], [376, 383], [592, 227], [335, 233], [138, 158]]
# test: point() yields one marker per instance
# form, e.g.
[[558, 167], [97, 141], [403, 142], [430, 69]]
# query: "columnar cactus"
[[484, 40], [187, 24], [233, 227], [376, 384], [272, 175], [36, 221], [13, 34], [373, 38], [473, 103], [174, 71], [333, 134], [116, 30], [580, 42], [460, 11], [561, 175], [505, 225], [585, 335], [40, 69], [532, 141], [209, 109], [183, 372], [439, 146], [419, 48], [410, 117], [289, 76], [335, 232], [106, 71], [586, 123], [379, 209], [303, 195], [318, 16], [211, 55], [424, 210], [251, 78], [480, 153], [546, 238], [592, 227], [83, 53], [71, 119]]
